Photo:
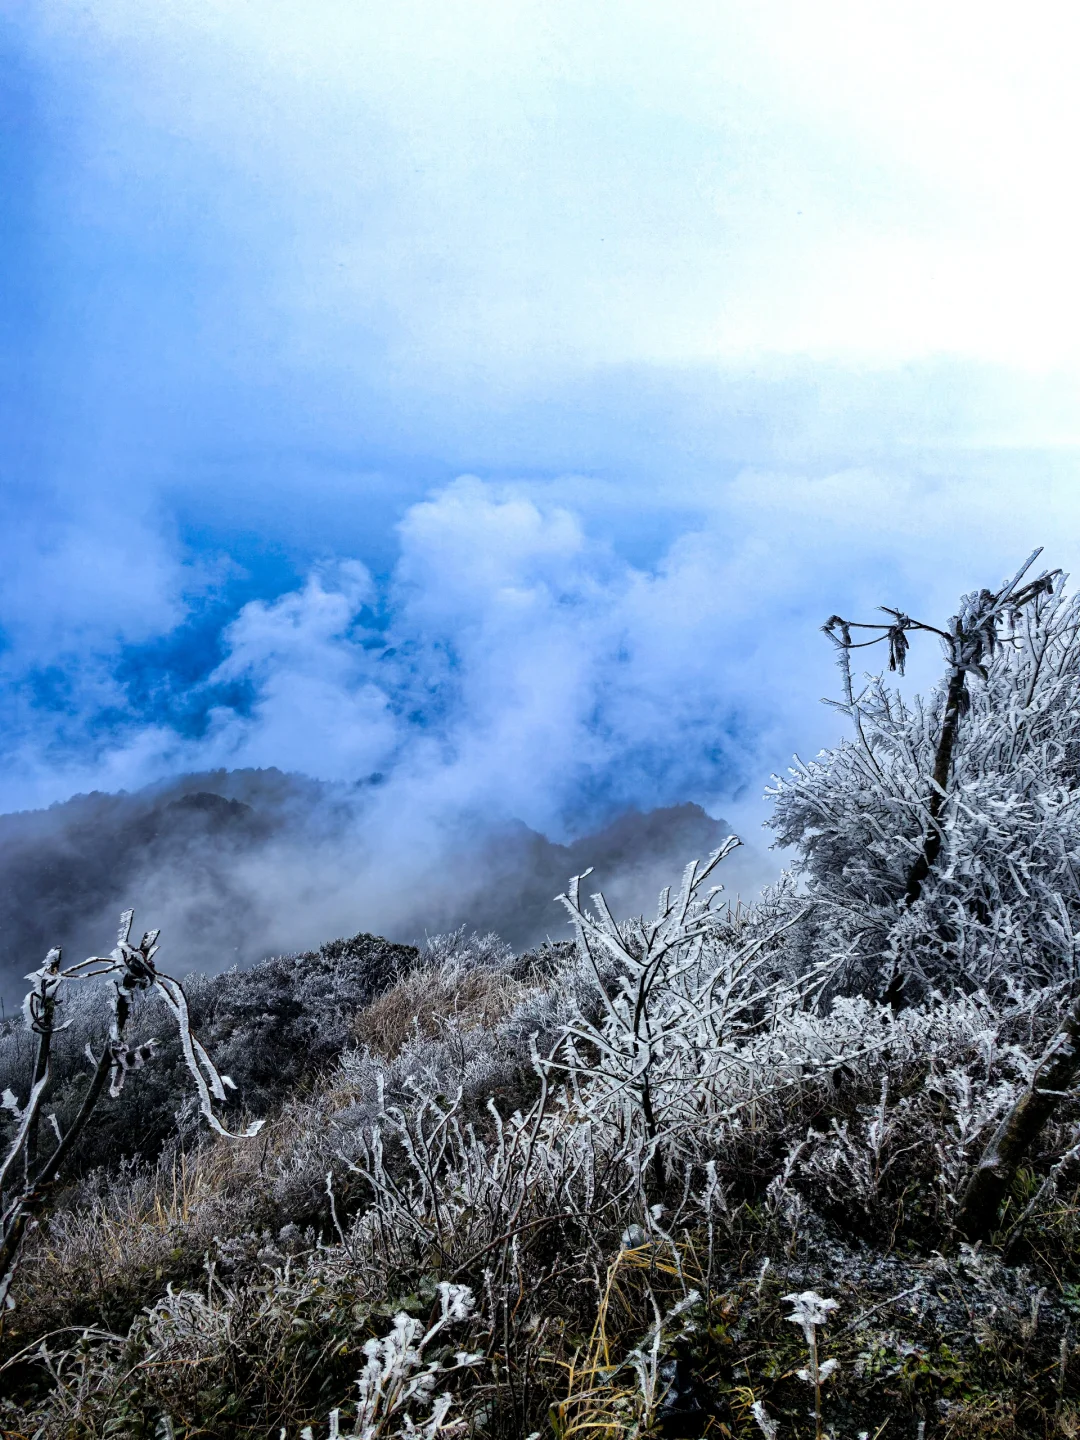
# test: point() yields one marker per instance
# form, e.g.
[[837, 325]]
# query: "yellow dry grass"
[[603, 1401], [145, 1222], [425, 1001]]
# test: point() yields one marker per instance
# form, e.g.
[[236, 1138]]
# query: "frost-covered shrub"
[[485, 1154], [1002, 902], [658, 1055], [291, 1015], [896, 1162], [269, 1027], [401, 1373]]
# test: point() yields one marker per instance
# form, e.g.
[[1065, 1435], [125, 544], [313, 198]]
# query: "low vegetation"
[[708, 1173]]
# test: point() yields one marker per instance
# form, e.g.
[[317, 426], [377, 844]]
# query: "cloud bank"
[[515, 665], [482, 408]]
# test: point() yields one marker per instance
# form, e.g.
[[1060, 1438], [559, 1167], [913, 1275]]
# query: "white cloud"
[[525, 671], [600, 237], [513, 190], [78, 568], [314, 710]]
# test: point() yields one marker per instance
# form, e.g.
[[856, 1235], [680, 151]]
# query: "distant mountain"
[[211, 857], [632, 859]]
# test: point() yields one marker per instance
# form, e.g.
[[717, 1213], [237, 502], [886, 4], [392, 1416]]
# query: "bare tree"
[[972, 637], [940, 841], [131, 970], [1025, 739]]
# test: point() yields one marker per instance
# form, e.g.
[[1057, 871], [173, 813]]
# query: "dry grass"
[[119, 1238], [991, 1417], [425, 1002], [604, 1399], [115, 1239]]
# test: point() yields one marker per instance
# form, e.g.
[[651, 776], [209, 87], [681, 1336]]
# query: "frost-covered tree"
[[26, 1180], [941, 843]]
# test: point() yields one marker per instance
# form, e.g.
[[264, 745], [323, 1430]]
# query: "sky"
[[488, 402]]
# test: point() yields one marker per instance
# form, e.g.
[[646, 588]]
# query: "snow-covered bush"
[[399, 1375], [679, 996], [486, 1154], [1001, 903], [26, 1178]]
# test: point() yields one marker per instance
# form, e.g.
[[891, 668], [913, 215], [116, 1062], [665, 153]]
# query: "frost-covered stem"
[[1019, 1130], [817, 1382], [44, 1021], [815, 1376], [950, 724], [657, 1168], [812, 1310], [24, 1208], [768, 1427], [51, 1168]]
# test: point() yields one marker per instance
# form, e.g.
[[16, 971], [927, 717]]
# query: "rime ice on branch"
[[132, 970], [973, 636], [942, 842]]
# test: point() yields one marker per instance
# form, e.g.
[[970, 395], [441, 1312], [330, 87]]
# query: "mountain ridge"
[[193, 855]]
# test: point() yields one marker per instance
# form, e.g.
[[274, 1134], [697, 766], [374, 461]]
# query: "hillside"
[[798, 1168]]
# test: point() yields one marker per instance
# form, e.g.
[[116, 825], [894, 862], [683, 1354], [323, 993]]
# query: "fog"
[[233, 866]]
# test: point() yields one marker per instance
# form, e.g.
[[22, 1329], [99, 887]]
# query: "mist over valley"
[[237, 865]]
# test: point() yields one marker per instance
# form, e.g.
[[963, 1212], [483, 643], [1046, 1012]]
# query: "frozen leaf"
[[810, 1310], [769, 1427]]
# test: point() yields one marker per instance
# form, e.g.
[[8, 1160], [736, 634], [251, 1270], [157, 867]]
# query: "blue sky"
[[497, 397]]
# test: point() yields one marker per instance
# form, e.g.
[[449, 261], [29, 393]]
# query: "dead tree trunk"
[[1013, 1139], [972, 636], [932, 841], [43, 1020]]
